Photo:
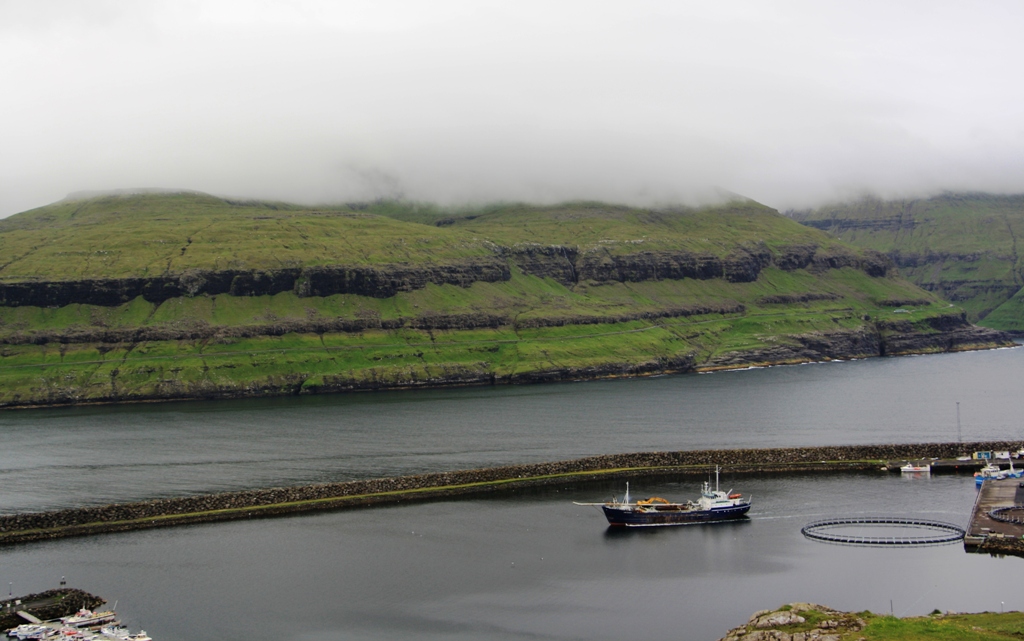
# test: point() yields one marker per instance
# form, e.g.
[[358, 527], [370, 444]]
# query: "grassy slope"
[[148, 235], [979, 234], [63, 241], [983, 626]]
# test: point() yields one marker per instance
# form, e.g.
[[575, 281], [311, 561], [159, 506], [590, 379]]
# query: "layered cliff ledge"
[[564, 264]]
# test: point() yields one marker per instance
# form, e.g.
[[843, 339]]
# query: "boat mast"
[[716, 478]]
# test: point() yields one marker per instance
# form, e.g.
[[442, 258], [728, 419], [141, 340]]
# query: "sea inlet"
[[524, 564]]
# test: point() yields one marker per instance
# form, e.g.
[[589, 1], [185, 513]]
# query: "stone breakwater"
[[51, 604], [18, 528]]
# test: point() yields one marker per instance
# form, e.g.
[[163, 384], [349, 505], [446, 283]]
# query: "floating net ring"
[[1009, 514], [933, 532]]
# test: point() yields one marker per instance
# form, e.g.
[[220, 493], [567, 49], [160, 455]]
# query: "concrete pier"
[[986, 534]]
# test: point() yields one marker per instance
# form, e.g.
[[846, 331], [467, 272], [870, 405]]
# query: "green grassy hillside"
[[963, 247], [144, 235], [578, 290]]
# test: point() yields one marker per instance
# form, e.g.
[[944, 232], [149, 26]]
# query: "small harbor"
[[63, 614]]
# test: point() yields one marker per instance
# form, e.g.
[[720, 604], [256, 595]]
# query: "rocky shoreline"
[[22, 528], [797, 622]]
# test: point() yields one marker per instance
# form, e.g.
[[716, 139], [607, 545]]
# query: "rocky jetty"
[[19, 528], [51, 604], [797, 622]]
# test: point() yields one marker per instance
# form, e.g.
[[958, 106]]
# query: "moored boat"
[[989, 472], [713, 505], [86, 618], [31, 631], [916, 468]]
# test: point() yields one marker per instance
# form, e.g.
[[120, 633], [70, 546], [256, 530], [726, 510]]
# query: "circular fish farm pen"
[[867, 531], [1009, 514]]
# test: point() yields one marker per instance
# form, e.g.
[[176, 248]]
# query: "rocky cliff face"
[[379, 281], [951, 333], [568, 265], [198, 330], [963, 247], [564, 264]]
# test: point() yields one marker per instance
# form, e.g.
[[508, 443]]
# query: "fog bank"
[[790, 104]]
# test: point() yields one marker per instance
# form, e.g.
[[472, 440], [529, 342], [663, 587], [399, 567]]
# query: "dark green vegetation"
[[963, 247], [807, 621], [157, 296]]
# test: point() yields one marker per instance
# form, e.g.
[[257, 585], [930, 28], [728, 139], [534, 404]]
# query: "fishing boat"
[[1013, 473], [115, 631], [916, 468], [989, 472], [86, 618], [121, 633], [713, 505]]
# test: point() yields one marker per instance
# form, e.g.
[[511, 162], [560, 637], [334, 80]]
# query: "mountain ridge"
[[185, 295]]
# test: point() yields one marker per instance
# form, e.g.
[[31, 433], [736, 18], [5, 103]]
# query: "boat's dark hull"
[[655, 518]]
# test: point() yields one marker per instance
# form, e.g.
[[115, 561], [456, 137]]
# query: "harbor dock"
[[996, 526]]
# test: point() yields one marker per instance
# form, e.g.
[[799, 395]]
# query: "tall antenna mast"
[[959, 434]]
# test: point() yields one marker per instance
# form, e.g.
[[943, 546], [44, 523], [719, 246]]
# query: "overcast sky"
[[789, 103]]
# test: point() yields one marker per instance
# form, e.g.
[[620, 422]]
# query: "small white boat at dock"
[[916, 468]]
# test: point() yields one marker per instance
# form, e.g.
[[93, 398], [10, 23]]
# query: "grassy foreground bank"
[[810, 622]]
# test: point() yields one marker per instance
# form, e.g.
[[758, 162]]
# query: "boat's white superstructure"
[[86, 618]]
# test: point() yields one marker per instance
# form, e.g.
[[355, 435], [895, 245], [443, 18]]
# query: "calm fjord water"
[[78, 456], [522, 565], [527, 565]]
